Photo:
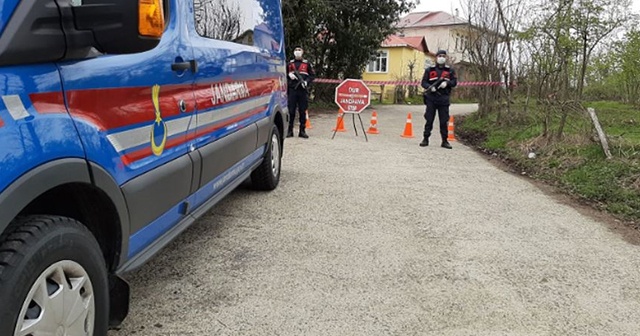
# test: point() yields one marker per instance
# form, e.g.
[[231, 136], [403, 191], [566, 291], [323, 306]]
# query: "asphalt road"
[[387, 238]]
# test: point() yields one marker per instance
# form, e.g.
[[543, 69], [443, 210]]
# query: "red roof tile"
[[415, 42], [426, 19]]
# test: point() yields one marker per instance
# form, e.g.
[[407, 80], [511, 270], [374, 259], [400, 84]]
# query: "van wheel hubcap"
[[60, 303], [275, 154]]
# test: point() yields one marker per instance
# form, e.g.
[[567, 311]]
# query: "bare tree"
[[560, 41], [484, 49], [509, 12], [218, 19], [411, 66], [593, 20]]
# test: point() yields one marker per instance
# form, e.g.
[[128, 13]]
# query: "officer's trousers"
[[298, 99], [443, 118]]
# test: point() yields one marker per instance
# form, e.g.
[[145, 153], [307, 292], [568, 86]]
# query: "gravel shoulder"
[[386, 238]]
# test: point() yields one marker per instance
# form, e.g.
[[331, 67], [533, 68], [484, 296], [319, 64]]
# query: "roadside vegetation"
[[564, 58], [576, 164], [555, 58]]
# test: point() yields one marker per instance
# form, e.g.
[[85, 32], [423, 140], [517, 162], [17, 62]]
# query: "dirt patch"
[[628, 230]]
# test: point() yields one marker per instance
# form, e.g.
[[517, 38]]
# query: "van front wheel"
[[267, 175], [53, 279]]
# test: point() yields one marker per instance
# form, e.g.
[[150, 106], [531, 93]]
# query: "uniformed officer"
[[437, 82], [301, 74]]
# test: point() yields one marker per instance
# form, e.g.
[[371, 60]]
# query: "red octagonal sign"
[[353, 96]]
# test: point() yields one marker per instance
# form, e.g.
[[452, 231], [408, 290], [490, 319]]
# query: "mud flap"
[[118, 300]]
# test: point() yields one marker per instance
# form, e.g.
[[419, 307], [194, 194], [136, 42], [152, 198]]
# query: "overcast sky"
[[450, 5]]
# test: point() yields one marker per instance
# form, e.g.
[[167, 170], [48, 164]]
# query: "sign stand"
[[354, 126], [352, 96]]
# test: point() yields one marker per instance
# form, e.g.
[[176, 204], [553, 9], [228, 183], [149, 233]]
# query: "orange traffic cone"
[[373, 129], [451, 136], [340, 123], [307, 125], [408, 128]]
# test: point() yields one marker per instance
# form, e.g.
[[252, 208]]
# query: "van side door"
[[134, 113], [235, 85]]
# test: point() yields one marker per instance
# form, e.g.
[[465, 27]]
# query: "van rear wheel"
[[53, 279], [267, 175]]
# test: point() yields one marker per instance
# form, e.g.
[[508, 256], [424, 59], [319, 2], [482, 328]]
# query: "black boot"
[[425, 142], [303, 134], [290, 133], [446, 144]]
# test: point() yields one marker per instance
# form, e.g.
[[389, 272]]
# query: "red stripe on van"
[[48, 102], [114, 108], [110, 109]]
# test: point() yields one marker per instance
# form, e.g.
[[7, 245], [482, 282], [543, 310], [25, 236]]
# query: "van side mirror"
[[118, 26]]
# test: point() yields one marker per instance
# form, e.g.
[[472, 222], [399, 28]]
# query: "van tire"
[[34, 244], [267, 175]]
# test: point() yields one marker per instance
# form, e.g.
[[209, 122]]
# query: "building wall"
[[449, 38], [398, 62]]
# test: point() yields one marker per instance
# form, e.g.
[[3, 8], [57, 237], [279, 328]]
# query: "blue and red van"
[[122, 122]]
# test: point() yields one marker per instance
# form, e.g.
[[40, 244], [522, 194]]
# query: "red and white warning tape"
[[407, 83]]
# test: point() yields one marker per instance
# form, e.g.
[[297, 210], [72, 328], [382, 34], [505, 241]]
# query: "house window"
[[462, 43], [379, 63]]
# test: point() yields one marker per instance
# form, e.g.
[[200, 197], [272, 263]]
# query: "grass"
[[619, 120], [610, 184], [576, 163]]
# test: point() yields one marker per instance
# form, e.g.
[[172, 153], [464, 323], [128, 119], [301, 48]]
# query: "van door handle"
[[184, 66]]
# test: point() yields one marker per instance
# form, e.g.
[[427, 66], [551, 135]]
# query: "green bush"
[[574, 162]]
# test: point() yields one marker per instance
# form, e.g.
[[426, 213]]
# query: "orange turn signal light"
[[151, 18]]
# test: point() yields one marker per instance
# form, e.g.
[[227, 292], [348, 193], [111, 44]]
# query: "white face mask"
[[297, 53], [441, 60]]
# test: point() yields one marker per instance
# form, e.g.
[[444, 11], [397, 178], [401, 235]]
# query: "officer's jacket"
[[305, 70], [434, 73]]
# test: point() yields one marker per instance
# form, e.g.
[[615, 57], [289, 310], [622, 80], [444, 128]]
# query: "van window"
[[227, 20]]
